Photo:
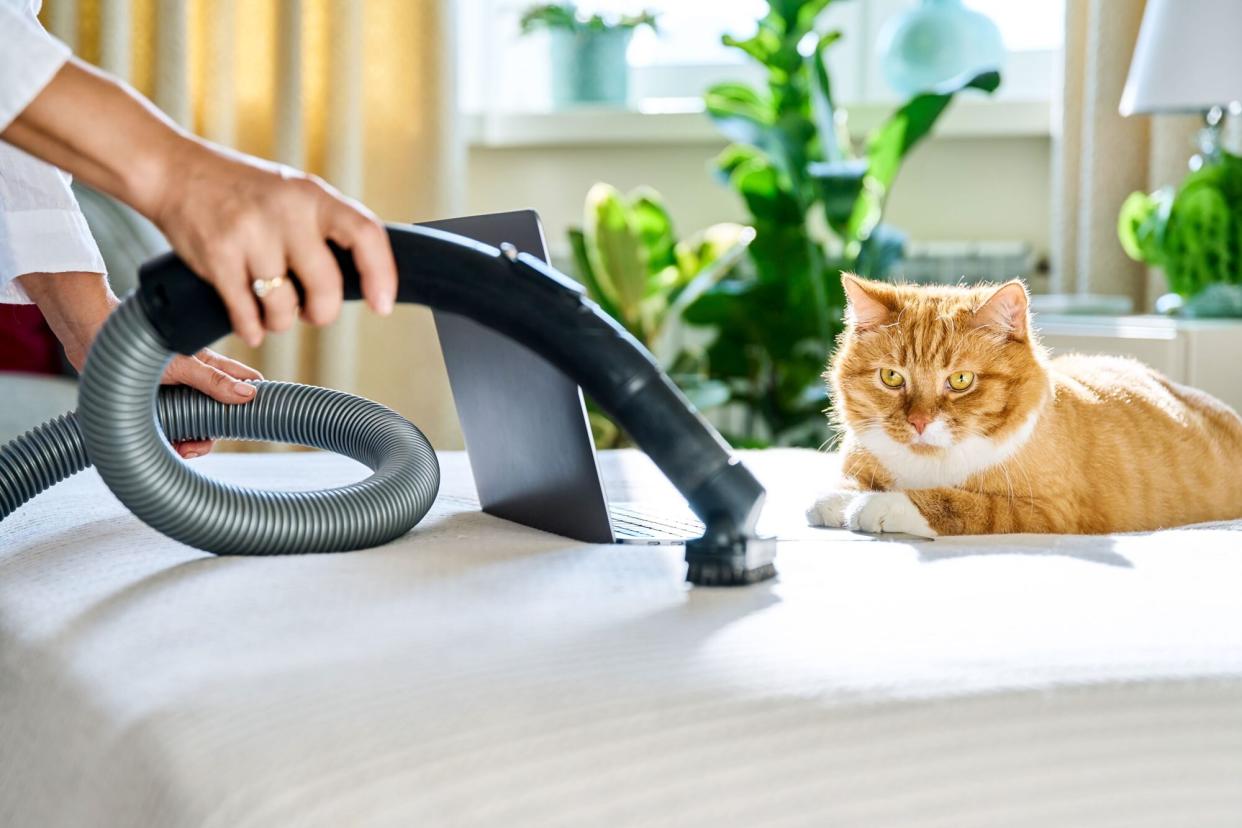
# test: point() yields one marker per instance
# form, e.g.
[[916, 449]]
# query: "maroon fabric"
[[27, 344]]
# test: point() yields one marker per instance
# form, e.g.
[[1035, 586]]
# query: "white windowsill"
[[612, 127]]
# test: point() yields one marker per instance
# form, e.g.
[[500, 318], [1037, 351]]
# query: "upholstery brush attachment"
[[729, 559]]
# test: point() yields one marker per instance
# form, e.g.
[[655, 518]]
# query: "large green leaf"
[[741, 113], [762, 46], [766, 192], [655, 227], [586, 274], [723, 304], [705, 258], [615, 251], [912, 123], [754, 314], [892, 141], [1141, 225], [797, 15], [822, 104], [732, 157]]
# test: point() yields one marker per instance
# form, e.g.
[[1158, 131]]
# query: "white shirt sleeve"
[[29, 57], [42, 230]]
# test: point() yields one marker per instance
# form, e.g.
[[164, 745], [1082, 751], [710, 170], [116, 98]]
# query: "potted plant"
[[588, 52], [816, 202], [639, 272]]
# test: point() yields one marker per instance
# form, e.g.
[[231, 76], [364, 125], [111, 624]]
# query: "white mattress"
[[481, 673]]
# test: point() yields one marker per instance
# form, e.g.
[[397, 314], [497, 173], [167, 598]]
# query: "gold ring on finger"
[[262, 287]]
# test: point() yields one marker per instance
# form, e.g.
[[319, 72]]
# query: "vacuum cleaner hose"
[[124, 421]]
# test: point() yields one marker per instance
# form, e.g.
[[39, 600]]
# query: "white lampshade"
[[1188, 57]]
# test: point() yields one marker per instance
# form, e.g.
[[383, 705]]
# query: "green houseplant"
[[634, 266], [816, 202], [1194, 233], [588, 51]]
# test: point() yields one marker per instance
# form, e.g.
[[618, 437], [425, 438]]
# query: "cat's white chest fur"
[[951, 467]]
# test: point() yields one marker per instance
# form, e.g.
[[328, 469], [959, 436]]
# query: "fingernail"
[[190, 455], [245, 389], [385, 305]]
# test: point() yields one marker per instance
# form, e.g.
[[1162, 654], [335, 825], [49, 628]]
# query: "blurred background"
[[706, 168]]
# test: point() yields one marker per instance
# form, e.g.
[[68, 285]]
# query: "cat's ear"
[[1006, 311], [870, 303]]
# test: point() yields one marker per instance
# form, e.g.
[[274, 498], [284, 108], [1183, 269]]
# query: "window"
[[502, 72], [1026, 27]]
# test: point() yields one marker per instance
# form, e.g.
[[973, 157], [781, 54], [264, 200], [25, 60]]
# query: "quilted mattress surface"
[[481, 673]]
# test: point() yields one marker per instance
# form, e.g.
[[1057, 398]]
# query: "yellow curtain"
[[357, 91], [1102, 157]]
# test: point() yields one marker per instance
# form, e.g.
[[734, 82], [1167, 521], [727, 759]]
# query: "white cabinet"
[[1204, 353]]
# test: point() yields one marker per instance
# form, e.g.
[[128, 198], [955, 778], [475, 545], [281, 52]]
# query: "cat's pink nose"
[[919, 420]]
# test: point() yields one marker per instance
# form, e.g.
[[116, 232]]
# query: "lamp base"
[[1212, 139]]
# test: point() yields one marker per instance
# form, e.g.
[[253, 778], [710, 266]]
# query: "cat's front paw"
[[829, 508], [869, 512], [887, 512]]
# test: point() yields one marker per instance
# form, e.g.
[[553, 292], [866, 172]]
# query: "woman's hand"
[[76, 305], [236, 219], [218, 377], [233, 218]]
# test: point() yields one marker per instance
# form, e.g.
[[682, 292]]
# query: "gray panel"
[[525, 425]]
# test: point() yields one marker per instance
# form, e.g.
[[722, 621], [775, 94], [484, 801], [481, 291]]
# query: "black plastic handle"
[[190, 315], [531, 303]]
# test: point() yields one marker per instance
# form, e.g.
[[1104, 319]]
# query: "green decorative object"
[[816, 202], [1193, 233], [633, 265], [588, 52]]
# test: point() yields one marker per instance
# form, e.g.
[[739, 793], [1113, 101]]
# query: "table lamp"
[[1188, 59]]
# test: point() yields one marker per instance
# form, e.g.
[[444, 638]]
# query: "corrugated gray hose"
[[120, 426]]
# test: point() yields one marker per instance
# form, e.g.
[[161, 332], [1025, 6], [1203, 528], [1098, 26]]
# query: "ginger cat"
[[956, 422]]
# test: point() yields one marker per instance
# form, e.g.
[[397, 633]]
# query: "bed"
[[482, 673]]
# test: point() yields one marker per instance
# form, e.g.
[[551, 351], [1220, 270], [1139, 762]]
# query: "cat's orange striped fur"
[[955, 422]]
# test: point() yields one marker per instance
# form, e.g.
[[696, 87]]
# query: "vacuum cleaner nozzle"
[[729, 559]]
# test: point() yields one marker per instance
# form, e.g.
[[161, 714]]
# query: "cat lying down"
[[956, 422]]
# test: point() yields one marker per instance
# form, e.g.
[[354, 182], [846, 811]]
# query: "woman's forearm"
[[102, 132], [75, 306]]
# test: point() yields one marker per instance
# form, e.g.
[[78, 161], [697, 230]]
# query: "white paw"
[[829, 508], [887, 512]]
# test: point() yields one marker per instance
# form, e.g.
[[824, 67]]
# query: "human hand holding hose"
[[241, 224]]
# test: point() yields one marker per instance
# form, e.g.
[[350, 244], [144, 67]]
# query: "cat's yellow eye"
[[961, 380], [891, 378]]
